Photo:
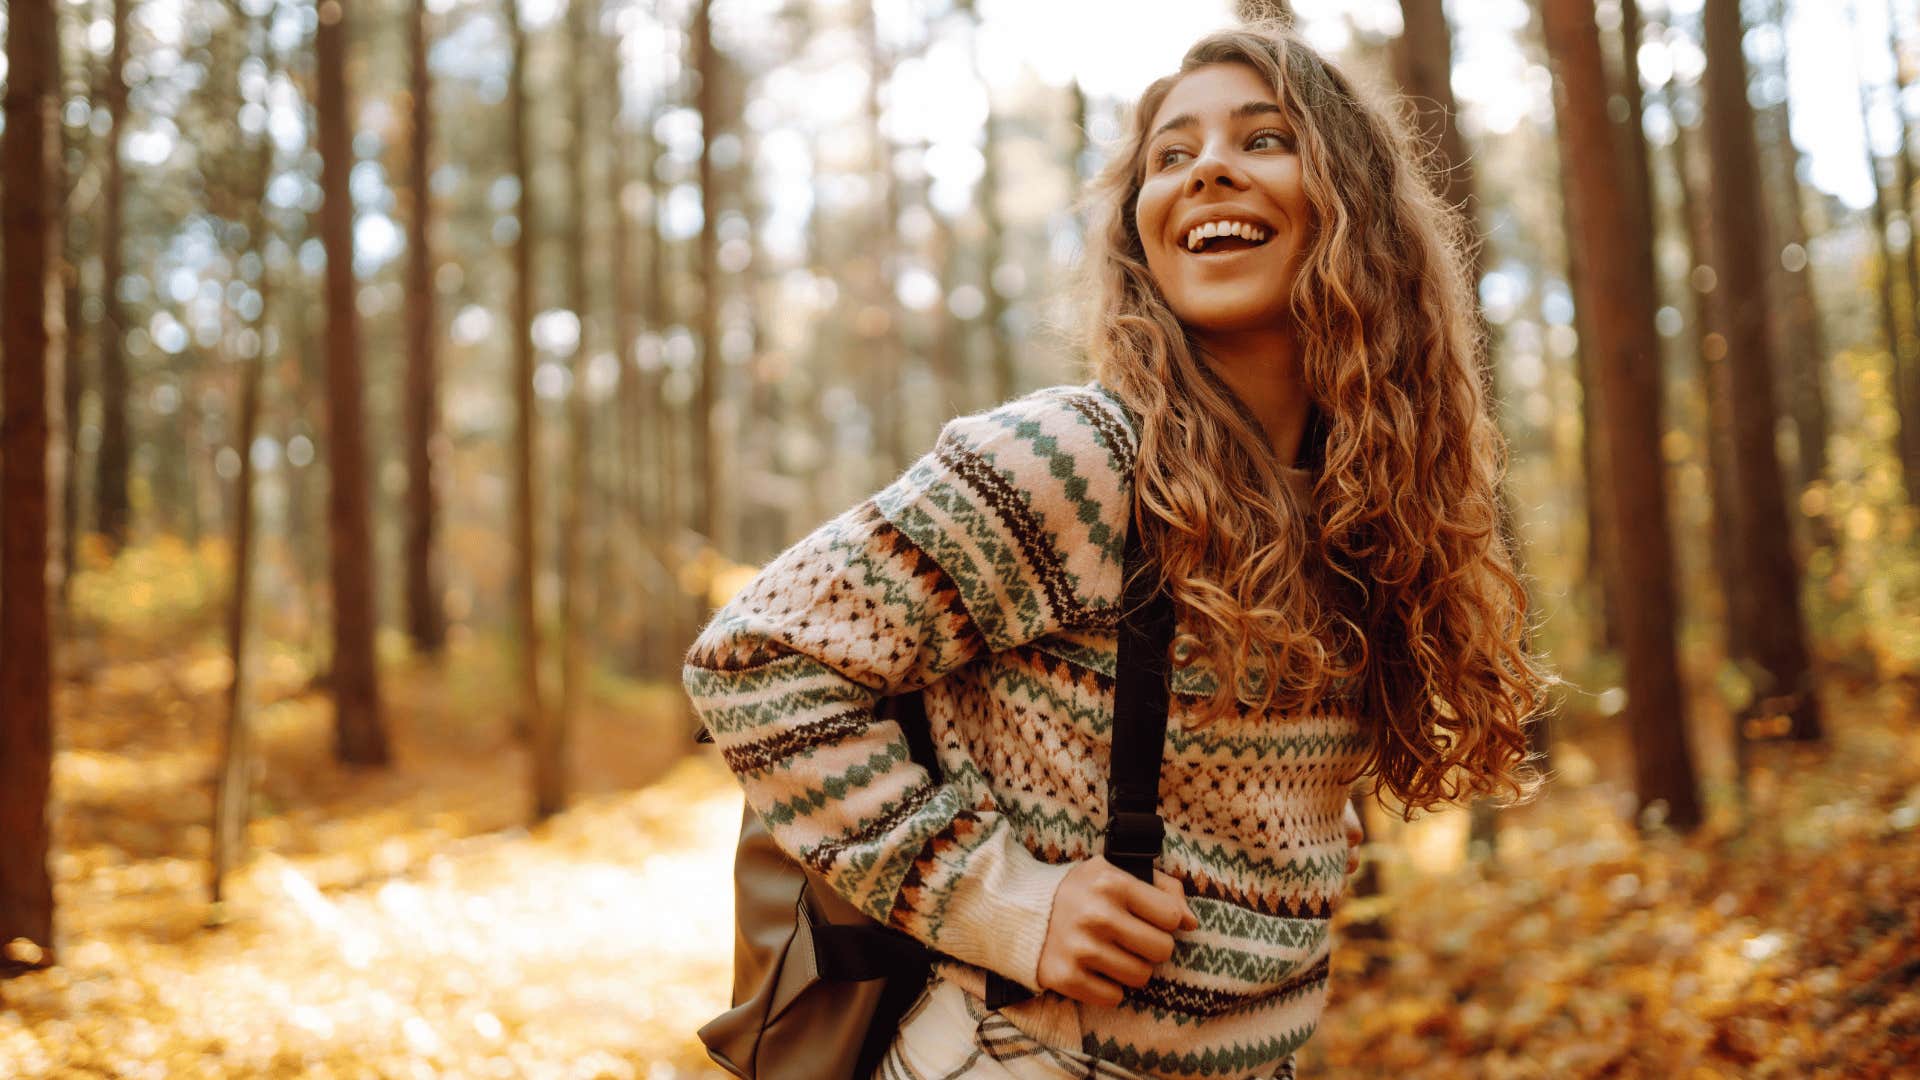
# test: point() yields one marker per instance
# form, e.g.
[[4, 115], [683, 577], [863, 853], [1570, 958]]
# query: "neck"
[[1263, 369]]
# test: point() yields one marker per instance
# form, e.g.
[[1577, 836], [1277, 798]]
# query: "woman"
[[1287, 402]]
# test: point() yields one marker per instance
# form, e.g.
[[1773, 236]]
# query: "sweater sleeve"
[[982, 545]]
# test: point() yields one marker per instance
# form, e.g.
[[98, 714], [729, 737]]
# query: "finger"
[[1142, 939], [1093, 989], [1119, 965], [1167, 883], [1164, 903]]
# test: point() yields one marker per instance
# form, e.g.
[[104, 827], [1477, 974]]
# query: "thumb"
[[1167, 883]]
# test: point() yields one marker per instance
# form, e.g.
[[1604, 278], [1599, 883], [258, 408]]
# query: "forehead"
[[1209, 93]]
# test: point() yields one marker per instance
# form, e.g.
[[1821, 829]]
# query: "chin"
[[1225, 318]]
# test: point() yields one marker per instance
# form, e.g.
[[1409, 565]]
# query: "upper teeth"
[[1241, 229]]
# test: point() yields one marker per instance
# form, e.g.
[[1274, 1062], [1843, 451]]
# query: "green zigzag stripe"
[[976, 583], [1233, 1060], [1216, 960], [723, 719], [1321, 869], [836, 788], [1061, 466], [1237, 922]]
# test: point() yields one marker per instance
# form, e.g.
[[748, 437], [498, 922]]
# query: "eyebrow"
[[1240, 112]]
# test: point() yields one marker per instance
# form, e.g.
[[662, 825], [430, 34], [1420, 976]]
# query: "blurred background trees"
[[581, 311]]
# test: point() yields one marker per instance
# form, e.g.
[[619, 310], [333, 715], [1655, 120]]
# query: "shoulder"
[[1028, 501], [1082, 427]]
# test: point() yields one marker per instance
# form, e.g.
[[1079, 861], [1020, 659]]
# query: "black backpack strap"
[[1140, 699]]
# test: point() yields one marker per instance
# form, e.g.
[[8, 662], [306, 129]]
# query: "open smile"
[[1225, 237]]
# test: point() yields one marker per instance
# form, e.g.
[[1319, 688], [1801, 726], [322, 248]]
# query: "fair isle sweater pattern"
[[989, 574]]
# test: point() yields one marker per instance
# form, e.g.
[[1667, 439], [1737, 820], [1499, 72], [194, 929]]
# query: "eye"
[[1165, 157], [1279, 140]]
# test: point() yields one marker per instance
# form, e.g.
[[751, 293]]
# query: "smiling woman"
[[1288, 420]]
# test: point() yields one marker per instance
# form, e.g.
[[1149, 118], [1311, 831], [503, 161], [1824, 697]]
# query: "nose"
[[1212, 167]]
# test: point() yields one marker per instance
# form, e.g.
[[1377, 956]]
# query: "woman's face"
[[1222, 213]]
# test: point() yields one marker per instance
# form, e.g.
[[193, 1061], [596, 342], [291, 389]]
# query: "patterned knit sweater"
[[990, 574]]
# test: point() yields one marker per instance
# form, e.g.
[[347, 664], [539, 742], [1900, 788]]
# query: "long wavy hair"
[[1392, 590]]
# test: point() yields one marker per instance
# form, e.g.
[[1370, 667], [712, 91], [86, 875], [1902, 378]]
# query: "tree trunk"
[[360, 736], [630, 389], [72, 370], [879, 323], [1805, 381], [1768, 601], [1906, 412], [111, 511], [1626, 361], [1710, 347], [1909, 387], [30, 331], [526, 419], [234, 788], [550, 752], [1903, 169], [426, 621], [708, 453]]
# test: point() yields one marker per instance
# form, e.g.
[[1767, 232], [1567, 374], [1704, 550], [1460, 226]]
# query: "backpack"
[[819, 988]]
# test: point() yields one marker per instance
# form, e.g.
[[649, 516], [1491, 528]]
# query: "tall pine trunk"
[[708, 453], [527, 719], [360, 736], [1768, 601], [111, 511], [30, 332], [234, 788], [1906, 412], [1626, 362], [426, 621], [551, 752]]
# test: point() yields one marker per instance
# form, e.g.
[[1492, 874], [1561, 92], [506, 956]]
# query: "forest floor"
[[401, 923]]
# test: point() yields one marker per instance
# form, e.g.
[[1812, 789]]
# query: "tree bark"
[[550, 791], [708, 453], [1768, 601], [1805, 381], [526, 420], [1906, 411], [1710, 347], [234, 789], [360, 736], [426, 620], [111, 513], [30, 331], [1626, 361]]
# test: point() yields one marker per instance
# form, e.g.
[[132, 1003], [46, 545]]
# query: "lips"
[[1222, 230]]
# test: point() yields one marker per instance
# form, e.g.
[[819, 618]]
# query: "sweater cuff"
[[997, 915]]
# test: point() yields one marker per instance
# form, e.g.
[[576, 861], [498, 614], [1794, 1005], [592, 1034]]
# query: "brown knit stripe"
[[820, 859], [1293, 907], [907, 902], [1006, 503], [1112, 431], [725, 655], [934, 577], [1199, 1001], [797, 740], [1061, 669]]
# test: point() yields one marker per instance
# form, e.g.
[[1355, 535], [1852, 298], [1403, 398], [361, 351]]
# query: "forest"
[[393, 388]]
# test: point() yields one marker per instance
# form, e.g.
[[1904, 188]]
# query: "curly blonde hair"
[[1392, 590]]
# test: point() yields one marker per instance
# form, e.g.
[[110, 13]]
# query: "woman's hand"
[[1109, 928], [1356, 835]]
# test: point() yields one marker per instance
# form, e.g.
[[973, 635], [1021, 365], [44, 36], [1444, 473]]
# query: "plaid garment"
[[948, 1034]]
